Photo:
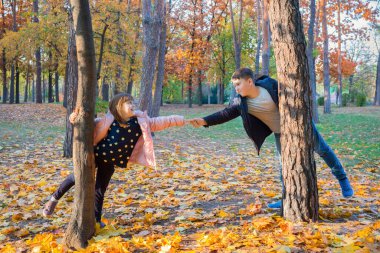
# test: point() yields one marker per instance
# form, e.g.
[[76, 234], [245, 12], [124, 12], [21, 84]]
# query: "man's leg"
[[328, 155], [277, 137], [103, 177]]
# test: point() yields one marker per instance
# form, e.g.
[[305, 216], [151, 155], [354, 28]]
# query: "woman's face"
[[127, 110]]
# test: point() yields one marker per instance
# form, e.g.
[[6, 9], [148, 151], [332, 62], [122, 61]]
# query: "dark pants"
[[103, 177]]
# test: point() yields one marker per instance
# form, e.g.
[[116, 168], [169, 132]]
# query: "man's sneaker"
[[49, 208], [347, 190], [101, 224], [275, 204]]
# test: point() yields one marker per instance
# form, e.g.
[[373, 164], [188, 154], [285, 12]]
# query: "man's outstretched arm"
[[217, 118]]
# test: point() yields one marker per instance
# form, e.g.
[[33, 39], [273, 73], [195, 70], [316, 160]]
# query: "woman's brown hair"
[[116, 104]]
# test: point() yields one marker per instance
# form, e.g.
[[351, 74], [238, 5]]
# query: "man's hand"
[[197, 122]]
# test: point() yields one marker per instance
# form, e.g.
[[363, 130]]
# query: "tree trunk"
[[190, 91], [5, 90], [38, 58], [152, 26], [26, 86], [43, 88], [258, 48], [71, 87], [237, 42], [340, 85], [310, 58], [101, 52], [50, 86], [12, 85], [17, 84], [105, 90], [266, 38], [326, 67], [56, 79], [377, 92], [200, 94], [300, 199], [33, 90], [160, 70], [82, 224]]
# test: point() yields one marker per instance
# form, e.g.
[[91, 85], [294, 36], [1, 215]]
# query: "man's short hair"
[[243, 73]]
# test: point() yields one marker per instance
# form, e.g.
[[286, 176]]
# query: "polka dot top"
[[119, 143]]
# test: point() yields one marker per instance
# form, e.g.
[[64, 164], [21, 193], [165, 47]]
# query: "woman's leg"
[[103, 177]]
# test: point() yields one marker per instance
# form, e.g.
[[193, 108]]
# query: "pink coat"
[[143, 153]]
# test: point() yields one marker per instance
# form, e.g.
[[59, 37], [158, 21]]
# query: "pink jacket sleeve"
[[160, 123]]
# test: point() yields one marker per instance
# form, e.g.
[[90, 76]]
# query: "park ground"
[[209, 192]]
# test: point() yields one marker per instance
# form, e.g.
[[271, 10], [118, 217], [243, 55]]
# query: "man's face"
[[242, 86]]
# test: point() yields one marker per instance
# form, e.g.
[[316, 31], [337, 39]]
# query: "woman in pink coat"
[[121, 137]]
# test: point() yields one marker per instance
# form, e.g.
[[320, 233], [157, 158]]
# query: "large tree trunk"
[[237, 42], [377, 92], [38, 58], [300, 199], [82, 224], [160, 71], [17, 84], [71, 87], [266, 38], [310, 58], [258, 48], [326, 67], [340, 85], [152, 23]]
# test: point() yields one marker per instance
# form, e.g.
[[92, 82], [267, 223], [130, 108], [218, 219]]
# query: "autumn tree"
[[266, 38], [82, 224], [300, 197]]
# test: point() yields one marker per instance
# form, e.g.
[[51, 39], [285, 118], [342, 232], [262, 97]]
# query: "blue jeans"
[[323, 150]]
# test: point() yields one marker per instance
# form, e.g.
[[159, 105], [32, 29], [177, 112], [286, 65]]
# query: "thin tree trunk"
[[266, 38], [56, 79], [26, 86], [300, 199], [17, 84], [152, 23], [12, 85], [340, 84], [160, 70], [105, 90], [101, 52], [326, 67], [5, 90], [200, 94], [33, 90], [237, 41], [259, 39], [309, 52], [377, 92], [38, 58], [50, 83], [82, 224]]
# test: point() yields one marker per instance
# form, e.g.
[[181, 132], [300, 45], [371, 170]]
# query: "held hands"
[[196, 122]]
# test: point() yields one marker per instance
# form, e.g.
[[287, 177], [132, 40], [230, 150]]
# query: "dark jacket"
[[255, 128]]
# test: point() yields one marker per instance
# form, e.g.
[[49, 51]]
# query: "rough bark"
[[56, 79], [259, 39], [377, 92], [82, 224], [300, 197], [17, 91], [71, 87], [266, 38], [160, 71], [237, 41], [12, 85], [311, 61], [152, 23], [326, 64], [340, 84], [38, 89]]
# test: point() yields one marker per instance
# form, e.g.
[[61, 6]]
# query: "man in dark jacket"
[[257, 104]]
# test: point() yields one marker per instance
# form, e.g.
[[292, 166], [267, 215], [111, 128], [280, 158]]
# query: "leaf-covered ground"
[[209, 193]]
